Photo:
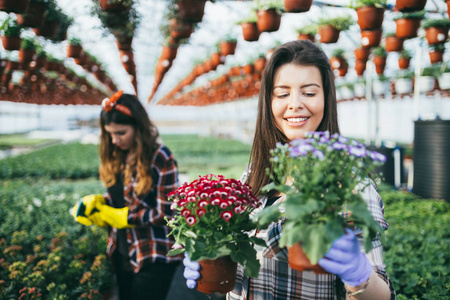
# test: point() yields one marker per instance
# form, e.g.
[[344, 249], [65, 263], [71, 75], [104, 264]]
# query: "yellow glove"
[[115, 217], [86, 212]]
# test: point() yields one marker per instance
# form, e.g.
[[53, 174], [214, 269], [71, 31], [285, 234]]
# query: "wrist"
[[357, 290]]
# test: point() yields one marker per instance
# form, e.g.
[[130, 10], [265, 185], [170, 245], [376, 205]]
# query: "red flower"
[[202, 203], [201, 212], [191, 220], [226, 215], [185, 212]]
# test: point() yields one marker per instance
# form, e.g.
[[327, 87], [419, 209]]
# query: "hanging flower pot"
[[299, 261], [342, 71], [448, 8], [393, 44], [408, 24], [259, 64], [410, 5], [191, 10], [360, 67], [47, 30], [371, 38], [179, 29], [380, 64], [248, 69], [268, 20], [216, 59], [362, 53], [370, 17], [328, 34], [11, 42], [436, 55], [111, 6], [436, 30], [227, 47], [74, 50], [303, 36], [14, 6], [33, 16], [403, 63], [169, 52], [250, 31], [403, 85], [297, 6]]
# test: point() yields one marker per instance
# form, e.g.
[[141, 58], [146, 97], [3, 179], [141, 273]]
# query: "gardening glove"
[[346, 260], [86, 212], [115, 217], [191, 272]]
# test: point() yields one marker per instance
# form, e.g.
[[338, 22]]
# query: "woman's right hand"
[[191, 271]]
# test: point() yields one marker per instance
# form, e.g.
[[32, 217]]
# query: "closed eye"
[[309, 94], [281, 96]]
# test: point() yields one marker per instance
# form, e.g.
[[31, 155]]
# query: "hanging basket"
[[297, 6], [403, 63], [370, 17], [250, 31], [303, 36], [436, 56], [217, 275], [14, 6], [74, 51], [393, 44], [191, 10], [299, 261], [362, 53], [436, 35], [328, 34], [33, 17], [371, 38], [227, 47], [410, 5], [268, 20], [11, 42], [407, 28]]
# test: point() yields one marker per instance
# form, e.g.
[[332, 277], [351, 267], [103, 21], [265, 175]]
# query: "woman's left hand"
[[346, 260]]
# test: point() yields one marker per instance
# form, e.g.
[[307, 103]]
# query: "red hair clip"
[[109, 103]]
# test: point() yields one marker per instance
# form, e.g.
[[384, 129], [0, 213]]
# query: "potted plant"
[[360, 67], [41, 57], [10, 32], [370, 13], [260, 62], [228, 45], [360, 88], [115, 5], [444, 77], [307, 32], [269, 14], [27, 50], [74, 47], [329, 28], [379, 59], [380, 85], [34, 15], [338, 62], [404, 59], [212, 228], [249, 27], [297, 6], [362, 53], [392, 42], [404, 82], [436, 53], [448, 7], [410, 5], [319, 193], [14, 6], [426, 82], [371, 38], [408, 24], [436, 30]]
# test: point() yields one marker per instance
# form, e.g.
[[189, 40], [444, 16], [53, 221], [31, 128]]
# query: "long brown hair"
[[299, 52], [112, 158]]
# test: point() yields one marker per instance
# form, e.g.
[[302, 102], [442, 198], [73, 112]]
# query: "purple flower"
[[357, 144], [319, 154], [338, 146], [357, 151], [343, 139], [377, 156], [300, 149]]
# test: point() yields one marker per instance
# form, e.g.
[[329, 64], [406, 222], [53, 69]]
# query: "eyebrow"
[[303, 86]]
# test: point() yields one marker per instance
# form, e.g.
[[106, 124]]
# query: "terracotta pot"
[[215, 59], [410, 5], [393, 43], [436, 35], [268, 20], [250, 31], [328, 34], [41, 62], [380, 64], [14, 6], [179, 29], [105, 5], [296, 6], [227, 47], [48, 29], [448, 8], [191, 10], [248, 68], [74, 51], [169, 52], [436, 56], [362, 53], [299, 261], [12, 65], [403, 63], [259, 64], [33, 16], [407, 28], [360, 67], [217, 275], [371, 38], [370, 17], [337, 62], [343, 70], [303, 36], [25, 55], [11, 42]]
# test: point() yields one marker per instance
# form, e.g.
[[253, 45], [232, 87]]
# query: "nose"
[[296, 101], [114, 139]]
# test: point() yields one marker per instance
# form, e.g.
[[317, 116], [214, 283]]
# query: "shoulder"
[[163, 156], [374, 202]]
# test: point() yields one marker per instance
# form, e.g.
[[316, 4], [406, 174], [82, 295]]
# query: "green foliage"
[[444, 22], [73, 160], [361, 3], [433, 70], [411, 15], [416, 248], [9, 27], [310, 29], [28, 44], [389, 34], [338, 52], [341, 23], [379, 51], [437, 47], [405, 74], [8, 141], [75, 41], [405, 54], [278, 5], [250, 18]]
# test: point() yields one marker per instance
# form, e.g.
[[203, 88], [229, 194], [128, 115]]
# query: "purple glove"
[[191, 272], [346, 260]]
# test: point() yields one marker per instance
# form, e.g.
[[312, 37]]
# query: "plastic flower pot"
[[362, 53], [250, 31], [425, 83], [299, 261], [303, 36], [370, 17], [191, 10], [410, 5], [217, 275], [393, 44], [371, 38], [403, 86], [360, 89], [296, 6], [444, 81], [403, 63], [268, 20], [436, 56], [328, 34], [436, 35], [407, 28]]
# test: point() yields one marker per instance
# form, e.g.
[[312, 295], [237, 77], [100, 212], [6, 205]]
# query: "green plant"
[[341, 23], [437, 47], [411, 15], [40, 52], [322, 177], [433, 70], [250, 18], [389, 34], [444, 22], [405, 54], [278, 5], [406, 74], [75, 41], [214, 221], [379, 51], [338, 52], [310, 29], [361, 3], [28, 44], [9, 27]]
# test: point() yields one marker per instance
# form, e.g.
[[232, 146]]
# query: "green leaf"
[[190, 234], [173, 252], [258, 241], [268, 215]]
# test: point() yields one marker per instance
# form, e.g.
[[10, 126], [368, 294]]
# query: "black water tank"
[[431, 154], [388, 168]]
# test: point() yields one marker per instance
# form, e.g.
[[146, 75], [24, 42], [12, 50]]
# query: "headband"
[[109, 103]]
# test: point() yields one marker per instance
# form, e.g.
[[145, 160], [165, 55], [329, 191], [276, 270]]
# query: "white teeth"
[[297, 119]]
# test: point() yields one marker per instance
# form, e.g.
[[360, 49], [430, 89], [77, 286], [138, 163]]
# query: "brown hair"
[[299, 52], [112, 158]]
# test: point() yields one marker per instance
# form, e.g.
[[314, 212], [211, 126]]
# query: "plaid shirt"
[[278, 281], [148, 241]]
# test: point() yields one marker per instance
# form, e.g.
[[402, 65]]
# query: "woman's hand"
[[191, 271], [346, 260]]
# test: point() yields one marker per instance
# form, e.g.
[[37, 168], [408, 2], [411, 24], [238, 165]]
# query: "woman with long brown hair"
[[138, 173]]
